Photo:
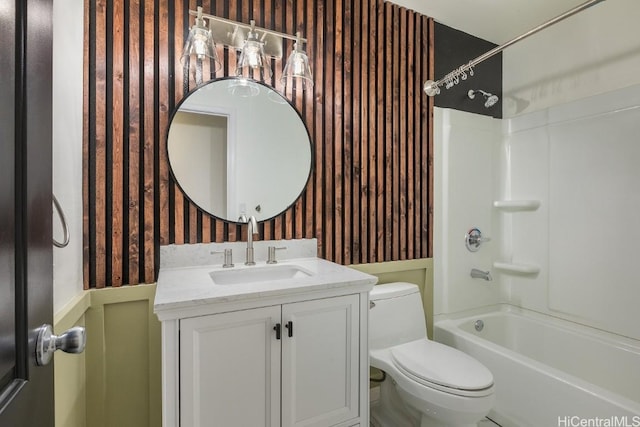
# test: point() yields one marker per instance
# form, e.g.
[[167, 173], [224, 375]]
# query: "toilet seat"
[[443, 368]]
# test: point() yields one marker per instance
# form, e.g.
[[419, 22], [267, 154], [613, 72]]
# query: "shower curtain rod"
[[432, 88]]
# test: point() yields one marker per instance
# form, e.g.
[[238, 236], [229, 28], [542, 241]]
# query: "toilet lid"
[[442, 365]]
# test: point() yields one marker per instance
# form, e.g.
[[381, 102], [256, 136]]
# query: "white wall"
[[465, 184], [595, 51], [198, 153], [67, 146]]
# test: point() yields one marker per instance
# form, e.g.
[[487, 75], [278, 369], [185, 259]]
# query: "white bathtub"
[[549, 372]]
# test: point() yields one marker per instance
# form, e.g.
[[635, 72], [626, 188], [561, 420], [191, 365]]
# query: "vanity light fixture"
[[253, 58], [297, 68], [201, 46], [256, 45]]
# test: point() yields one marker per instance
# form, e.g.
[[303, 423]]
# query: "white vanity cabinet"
[[274, 354], [320, 362], [295, 364], [230, 369]]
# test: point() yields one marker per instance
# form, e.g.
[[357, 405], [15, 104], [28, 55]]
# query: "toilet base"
[[391, 410], [430, 422], [385, 418]]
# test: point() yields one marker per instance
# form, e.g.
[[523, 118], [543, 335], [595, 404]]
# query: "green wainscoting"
[[70, 369], [116, 382]]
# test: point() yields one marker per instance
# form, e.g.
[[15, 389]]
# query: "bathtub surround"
[[467, 172], [591, 55], [584, 156]]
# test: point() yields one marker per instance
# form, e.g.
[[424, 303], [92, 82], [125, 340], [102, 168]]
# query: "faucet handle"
[[473, 239], [272, 254], [228, 257]]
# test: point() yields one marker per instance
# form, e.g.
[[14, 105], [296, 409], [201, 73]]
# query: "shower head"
[[490, 99]]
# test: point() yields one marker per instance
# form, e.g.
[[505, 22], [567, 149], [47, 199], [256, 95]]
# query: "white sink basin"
[[265, 273]]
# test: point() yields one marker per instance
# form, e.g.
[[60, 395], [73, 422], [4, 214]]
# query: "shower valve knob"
[[473, 239]]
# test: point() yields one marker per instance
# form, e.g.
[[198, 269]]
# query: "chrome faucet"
[[479, 274], [252, 228]]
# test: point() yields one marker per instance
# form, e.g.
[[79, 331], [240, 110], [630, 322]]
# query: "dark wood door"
[[26, 267]]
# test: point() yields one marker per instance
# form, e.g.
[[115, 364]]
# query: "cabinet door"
[[230, 369], [320, 385]]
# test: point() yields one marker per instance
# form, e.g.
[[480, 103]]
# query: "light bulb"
[[200, 46], [253, 54], [298, 66]]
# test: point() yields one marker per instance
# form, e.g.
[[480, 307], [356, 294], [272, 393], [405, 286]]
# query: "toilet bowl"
[[427, 383]]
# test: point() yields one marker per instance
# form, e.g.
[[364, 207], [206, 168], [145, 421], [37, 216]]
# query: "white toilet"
[[427, 383]]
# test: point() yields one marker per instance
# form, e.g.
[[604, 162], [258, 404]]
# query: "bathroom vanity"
[[280, 344], [283, 343]]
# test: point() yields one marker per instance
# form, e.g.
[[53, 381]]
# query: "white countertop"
[[182, 289]]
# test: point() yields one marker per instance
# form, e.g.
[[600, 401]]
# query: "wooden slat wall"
[[369, 197]]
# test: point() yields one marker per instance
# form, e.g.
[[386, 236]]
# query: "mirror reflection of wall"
[[205, 173], [257, 148]]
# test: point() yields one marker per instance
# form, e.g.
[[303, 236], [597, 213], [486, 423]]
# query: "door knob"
[[71, 341]]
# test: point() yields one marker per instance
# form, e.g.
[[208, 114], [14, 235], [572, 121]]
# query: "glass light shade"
[[253, 58], [243, 88], [297, 70], [200, 44]]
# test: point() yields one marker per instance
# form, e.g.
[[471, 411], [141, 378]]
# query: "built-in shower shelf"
[[516, 268], [516, 205]]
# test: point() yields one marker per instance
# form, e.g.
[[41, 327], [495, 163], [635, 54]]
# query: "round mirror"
[[238, 148]]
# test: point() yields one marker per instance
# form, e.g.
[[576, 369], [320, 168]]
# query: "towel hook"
[[63, 221]]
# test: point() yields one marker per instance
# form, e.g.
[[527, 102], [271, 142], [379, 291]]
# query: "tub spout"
[[479, 274]]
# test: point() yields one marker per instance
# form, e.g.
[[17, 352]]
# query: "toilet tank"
[[397, 316]]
